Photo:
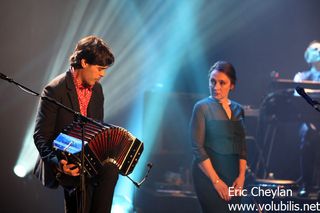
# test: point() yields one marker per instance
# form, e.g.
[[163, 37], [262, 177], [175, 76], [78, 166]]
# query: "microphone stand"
[[315, 104], [82, 120]]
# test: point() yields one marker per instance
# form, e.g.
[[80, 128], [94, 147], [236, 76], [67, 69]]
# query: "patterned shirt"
[[84, 93]]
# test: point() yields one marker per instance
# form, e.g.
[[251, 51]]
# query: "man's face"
[[313, 53], [220, 85], [90, 74]]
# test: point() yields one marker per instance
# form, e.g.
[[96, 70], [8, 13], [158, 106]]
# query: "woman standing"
[[218, 142]]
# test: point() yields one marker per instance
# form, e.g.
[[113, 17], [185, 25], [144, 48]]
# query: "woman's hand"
[[69, 169], [222, 190], [238, 184]]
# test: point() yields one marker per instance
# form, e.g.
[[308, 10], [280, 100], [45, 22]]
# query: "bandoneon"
[[103, 144]]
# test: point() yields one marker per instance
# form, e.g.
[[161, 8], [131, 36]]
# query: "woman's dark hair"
[[94, 50], [226, 68]]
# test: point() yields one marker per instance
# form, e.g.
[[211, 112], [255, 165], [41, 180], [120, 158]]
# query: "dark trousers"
[[99, 192], [227, 167], [309, 149]]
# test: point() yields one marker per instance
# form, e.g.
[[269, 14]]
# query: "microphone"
[[4, 77], [313, 103]]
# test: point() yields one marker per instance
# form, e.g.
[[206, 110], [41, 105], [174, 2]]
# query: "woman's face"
[[220, 85]]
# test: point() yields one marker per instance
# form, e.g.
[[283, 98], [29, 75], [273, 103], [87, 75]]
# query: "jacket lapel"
[[92, 102], [72, 93]]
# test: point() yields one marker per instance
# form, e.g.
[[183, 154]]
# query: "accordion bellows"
[[103, 144]]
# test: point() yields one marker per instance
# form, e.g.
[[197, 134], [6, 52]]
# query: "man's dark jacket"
[[52, 119]]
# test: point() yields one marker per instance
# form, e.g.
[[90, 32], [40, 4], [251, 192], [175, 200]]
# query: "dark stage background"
[[256, 36]]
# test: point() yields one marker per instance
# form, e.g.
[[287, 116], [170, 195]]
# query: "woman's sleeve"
[[197, 130], [243, 146]]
